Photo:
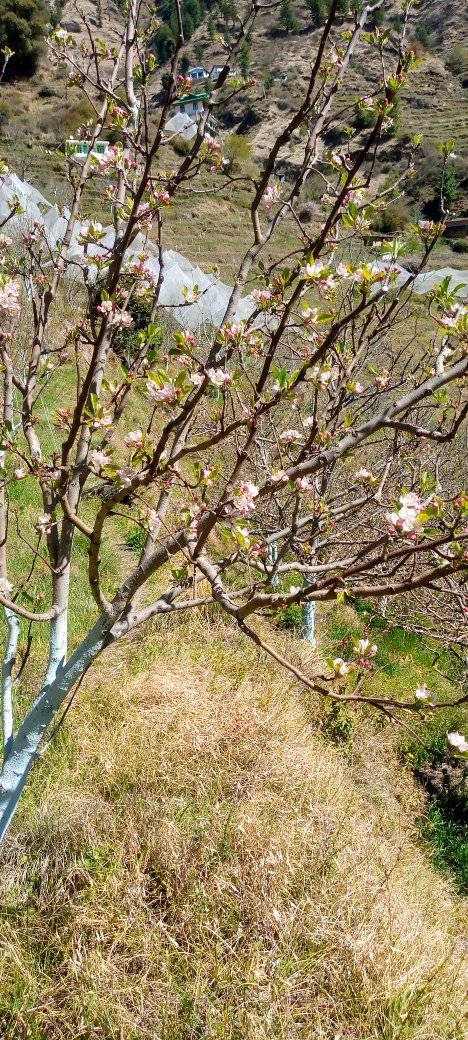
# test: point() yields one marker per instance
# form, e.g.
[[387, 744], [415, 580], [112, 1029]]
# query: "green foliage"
[[193, 13], [457, 60], [318, 11], [342, 7], [377, 18], [459, 245], [423, 35], [447, 842], [364, 118], [244, 59], [181, 146], [290, 618], [391, 219], [184, 64], [450, 187], [23, 25], [136, 539], [268, 81], [405, 660], [237, 149], [287, 18], [338, 723]]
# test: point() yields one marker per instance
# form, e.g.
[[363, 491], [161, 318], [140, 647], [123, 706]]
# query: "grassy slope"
[[197, 862]]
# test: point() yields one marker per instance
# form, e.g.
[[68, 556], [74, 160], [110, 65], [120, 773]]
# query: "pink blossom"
[[152, 521], [219, 377], [364, 647], [121, 320], [97, 459], [341, 667], [270, 196], [407, 517], [458, 741], [134, 439], [382, 379], [289, 436], [244, 499], [45, 524], [9, 293], [167, 393], [303, 484], [261, 295]]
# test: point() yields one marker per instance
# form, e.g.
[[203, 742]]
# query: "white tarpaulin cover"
[[190, 309]]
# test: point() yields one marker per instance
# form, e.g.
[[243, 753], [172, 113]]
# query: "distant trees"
[[22, 27], [317, 11], [244, 59], [450, 187], [287, 18], [193, 12]]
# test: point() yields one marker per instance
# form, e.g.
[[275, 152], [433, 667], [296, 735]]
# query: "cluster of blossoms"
[[271, 195], [365, 475], [167, 393], [114, 158], [406, 519], [323, 377], [45, 524], [244, 499], [363, 650], [9, 294], [309, 314], [290, 437], [423, 695], [340, 162], [455, 317], [151, 522], [117, 318], [219, 377], [98, 459], [382, 379], [262, 296]]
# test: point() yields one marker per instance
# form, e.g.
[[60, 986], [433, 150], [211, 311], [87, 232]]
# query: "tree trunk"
[[13, 631], [25, 746]]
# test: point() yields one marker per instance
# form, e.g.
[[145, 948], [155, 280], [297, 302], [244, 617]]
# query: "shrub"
[[393, 218], [457, 60], [6, 113], [317, 12], [237, 149], [181, 146], [423, 36], [244, 59], [364, 118], [268, 81], [459, 245], [450, 187], [22, 28], [290, 618], [287, 18]]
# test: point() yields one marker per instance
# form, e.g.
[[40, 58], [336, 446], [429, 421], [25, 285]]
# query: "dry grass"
[[203, 866]]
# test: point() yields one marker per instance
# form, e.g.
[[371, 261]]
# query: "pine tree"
[[317, 11], [287, 18], [244, 60]]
